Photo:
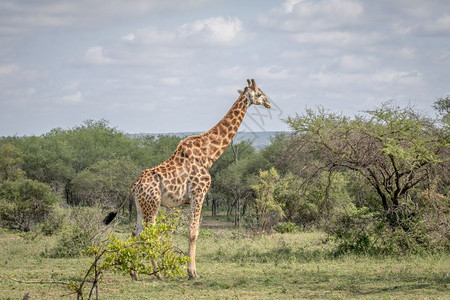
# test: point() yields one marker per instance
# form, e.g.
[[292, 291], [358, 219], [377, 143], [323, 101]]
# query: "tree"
[[393, 148], [10, 159], [229, 178], [48, 158], [442, 105], [234, 184], [106, 182], [24, 202], [268, 210], [315, 202], [282, 154]]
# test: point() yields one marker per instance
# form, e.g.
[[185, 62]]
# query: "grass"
[[233, 264]]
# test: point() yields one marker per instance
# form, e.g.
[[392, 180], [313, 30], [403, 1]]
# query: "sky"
[[174, 66]]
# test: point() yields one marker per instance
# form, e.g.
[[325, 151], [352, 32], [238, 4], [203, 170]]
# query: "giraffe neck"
[[220, 136]]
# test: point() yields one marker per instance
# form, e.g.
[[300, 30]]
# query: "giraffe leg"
[[151, 202], [194, 218], [194, 224]]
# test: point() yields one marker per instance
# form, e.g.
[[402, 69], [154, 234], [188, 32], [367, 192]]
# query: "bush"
[[55, 221], [84, 228], [352, 231], [401, 231], [24, 202], [286, 227], [151, 253]]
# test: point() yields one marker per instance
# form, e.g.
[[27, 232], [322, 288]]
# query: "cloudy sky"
[[175, 65]]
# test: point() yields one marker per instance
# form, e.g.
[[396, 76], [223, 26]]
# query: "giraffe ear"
[[240, 91]]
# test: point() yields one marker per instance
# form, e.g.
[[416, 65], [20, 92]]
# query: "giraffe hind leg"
[[147, 205]]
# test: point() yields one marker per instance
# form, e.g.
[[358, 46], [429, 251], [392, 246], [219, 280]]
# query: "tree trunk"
[[237, 216], [213, 207]]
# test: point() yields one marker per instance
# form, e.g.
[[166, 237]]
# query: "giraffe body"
[[184, 178]]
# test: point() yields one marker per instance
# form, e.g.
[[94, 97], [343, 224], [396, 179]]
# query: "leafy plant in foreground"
[[151, 253]]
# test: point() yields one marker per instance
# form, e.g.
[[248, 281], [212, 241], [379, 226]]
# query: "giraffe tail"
[[108, 219]]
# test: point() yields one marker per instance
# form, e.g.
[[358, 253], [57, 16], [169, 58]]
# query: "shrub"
[[84, 228], [55, 221], [151, 253], [286, 227], [24, 202], [400, 231]]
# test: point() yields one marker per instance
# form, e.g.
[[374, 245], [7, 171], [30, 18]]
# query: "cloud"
[[216, 31], [17, 81], [338, 38], [306, 15], [152, 45], [440, 26], [94, 55], [72, 98], [371, 81], [150, 35], [351, 63], [213, 31], [32, 15], [272, 72], [9, 69], [171, 81]]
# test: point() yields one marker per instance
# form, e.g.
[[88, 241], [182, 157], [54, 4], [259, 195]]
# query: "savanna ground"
[[235, 264]]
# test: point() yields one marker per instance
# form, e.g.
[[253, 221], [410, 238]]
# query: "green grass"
[[235, 264]]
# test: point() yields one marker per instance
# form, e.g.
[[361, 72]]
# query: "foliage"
[[313, 202], [286, 227], [391, 147], [82, 229], [106, 181], [268, 210], [47, 159], [282, 154], [232, 179], [396, 232], [55, 220], [151, 253], [10, 159], [24, 202], [442, 105]]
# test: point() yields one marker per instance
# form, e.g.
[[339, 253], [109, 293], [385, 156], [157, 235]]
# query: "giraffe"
[[184, 178]]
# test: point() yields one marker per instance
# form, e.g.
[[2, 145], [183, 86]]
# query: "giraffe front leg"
[[194, 220]]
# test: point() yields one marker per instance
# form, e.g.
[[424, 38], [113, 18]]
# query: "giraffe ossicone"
[[184, 178]]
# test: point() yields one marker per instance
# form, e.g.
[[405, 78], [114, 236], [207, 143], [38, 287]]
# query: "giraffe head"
[[254, 95]]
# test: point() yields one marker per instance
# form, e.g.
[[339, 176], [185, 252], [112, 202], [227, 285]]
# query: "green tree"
[[316, 201], [24, 202], [234, 185], [48, 158], [268, 210], [442, 105], [231, 178], [282, 154], [161, 149], [96, 140], [106, 182], [393, 148], [11, 158]]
